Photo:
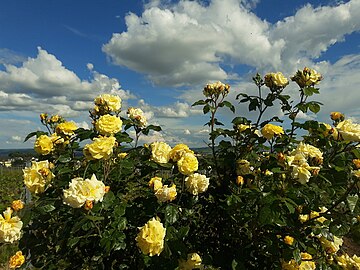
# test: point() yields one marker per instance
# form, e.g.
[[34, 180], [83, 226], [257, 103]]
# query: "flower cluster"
[[307, 77], [186, 160], [216, 89]]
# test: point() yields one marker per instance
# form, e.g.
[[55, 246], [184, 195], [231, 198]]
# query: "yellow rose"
[[101, 148], [289, 240], [242, 127], [356, 162], [155, 183], [137, 115], [276, 80], [347, 262], [80, 191], [44, 145], [108, 103], [215, 89], [66, 128], [337, 116], [270, 130], [193, 262], [349, 131], [331, 246], [108, 124], [178, 150], [43, 116], [165, 193], [160, 152], [150, 238], [187, 164], [309, 151], [17, 205], [16, 260], [58, 140], [306, 77], [122, 155], [38, 176], [196, 183], [10, 227]]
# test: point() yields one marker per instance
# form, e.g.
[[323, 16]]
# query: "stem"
[[302, 100]]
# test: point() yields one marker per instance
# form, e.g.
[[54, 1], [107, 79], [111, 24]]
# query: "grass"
[[11, 188]]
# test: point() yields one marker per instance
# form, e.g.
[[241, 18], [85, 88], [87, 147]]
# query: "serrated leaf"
[[171, 214], [352, 201]]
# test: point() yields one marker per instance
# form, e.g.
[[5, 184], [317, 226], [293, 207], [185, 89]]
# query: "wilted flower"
[[17, 260], [306, 77], [137, 115], [151, 237], [242, 167], [10, 227], [80, 191], [17, 205], [38, 176], [165, 193], [270, 130], [187, 164], [193, 262], [44, 145], [196, 183], [356, 162], [160, 152], [337, 116], [101, 148], [108, 124]]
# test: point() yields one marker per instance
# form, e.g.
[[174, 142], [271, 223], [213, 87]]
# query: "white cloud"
[[44, 84], [191, 43]]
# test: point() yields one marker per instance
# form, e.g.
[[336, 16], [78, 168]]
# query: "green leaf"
[[32, 134], [352, 201], [64, 158], [199, 102], [339, 229], [151, 127], [94, 218], [253, 105], [227, 104], [206, 109], [123, 137], [314, 107], [171, 214]]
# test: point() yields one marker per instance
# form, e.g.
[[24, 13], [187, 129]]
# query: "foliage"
[[263, 199]]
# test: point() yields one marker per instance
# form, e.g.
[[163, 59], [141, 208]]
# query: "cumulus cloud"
[[190, 42], [43, 84]]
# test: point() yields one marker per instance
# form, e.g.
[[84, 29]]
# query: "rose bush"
[[271, 194]]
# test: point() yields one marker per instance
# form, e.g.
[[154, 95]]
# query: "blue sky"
[[56, 56]]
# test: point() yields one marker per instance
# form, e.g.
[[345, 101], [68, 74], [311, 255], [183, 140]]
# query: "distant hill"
[[4, 153]]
